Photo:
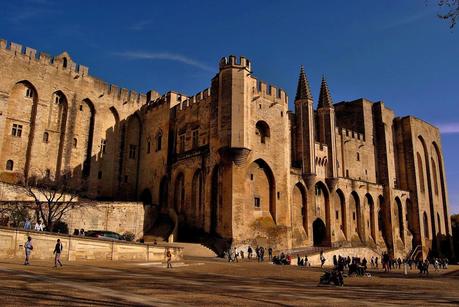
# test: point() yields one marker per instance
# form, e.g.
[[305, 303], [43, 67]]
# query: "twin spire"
[[303, 91]]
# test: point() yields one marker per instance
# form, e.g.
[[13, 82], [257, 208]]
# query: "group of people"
[[233, 254], [39, 225], [58, 248]]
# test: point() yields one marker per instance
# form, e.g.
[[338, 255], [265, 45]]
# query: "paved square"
[[213, 282]]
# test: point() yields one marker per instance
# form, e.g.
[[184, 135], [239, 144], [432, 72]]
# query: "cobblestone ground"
[[213, 282]]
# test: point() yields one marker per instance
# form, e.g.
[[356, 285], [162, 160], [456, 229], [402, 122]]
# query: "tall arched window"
[[159, 139], [262, 130], [9, 165], [75, 143]]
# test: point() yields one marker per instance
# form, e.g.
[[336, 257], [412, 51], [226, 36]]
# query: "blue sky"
[[395, 51]]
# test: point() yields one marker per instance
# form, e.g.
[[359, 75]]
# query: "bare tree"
[[451, 11], [53, 199]]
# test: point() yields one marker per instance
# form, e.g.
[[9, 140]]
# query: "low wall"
[[82, 248]]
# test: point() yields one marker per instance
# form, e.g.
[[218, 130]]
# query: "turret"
[[326, 117], [233, 107], [304, 109]]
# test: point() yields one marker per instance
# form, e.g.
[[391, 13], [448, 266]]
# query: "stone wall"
[[82, 248], [113, 216]]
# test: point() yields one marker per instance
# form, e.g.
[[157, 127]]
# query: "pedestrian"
[[236, 255], [242, 254], [82, 232], [322, 259], [28, 247], [169, 259], [27, 224], [376, 262], [262, 254], [249, 252], [270, 253], [57, 253]]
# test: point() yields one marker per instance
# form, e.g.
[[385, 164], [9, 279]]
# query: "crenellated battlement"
[[350, 134], [63, 63], [269, 92], [192, 100], [233, 61]]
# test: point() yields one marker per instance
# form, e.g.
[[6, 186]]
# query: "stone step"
[[196, 250]]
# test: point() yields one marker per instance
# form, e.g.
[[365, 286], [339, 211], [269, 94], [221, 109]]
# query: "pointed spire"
[[303, 90], [325, 99]]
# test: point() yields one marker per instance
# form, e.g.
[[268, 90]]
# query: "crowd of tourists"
[[357, 266]]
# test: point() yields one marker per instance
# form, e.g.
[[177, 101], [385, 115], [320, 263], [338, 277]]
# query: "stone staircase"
[[196, 250]]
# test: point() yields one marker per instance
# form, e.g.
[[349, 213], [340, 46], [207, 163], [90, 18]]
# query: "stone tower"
[[304, 108]]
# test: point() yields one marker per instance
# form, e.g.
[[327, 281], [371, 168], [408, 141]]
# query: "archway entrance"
[[319, 232]]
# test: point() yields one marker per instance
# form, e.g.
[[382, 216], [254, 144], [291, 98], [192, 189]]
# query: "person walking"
[[249, 252], [57, 253], [169, 259], [270, 253], [28, 247]]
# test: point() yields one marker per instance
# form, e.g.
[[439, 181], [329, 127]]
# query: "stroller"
[[334, 277]]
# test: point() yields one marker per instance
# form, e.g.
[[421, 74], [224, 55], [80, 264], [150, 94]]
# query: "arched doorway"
[[319, 232]]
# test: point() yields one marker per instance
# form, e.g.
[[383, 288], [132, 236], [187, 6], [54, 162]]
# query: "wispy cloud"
[[140, 25], [144, 55], [30, 9], [406, 20], [448, 127]]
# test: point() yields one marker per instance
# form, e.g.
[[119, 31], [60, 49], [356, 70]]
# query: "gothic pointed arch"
[[322, 208], [442, 186], [300, 206], [262, 187], [20, 113]]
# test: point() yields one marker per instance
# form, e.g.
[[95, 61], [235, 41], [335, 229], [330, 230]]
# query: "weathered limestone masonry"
[[231, 161], [82, 248]]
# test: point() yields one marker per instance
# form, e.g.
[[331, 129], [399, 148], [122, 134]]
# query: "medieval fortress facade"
[[231, 161]]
